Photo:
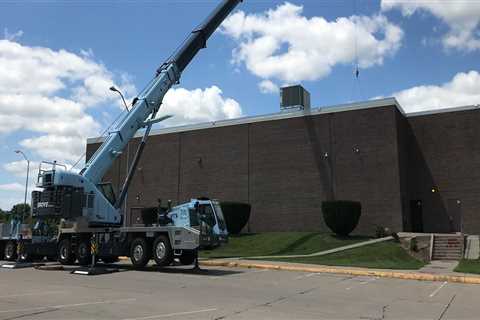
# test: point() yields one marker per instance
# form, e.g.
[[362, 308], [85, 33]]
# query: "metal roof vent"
[[294, 97]]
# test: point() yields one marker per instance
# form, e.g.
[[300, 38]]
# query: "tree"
[[20, 210], [3, 216]]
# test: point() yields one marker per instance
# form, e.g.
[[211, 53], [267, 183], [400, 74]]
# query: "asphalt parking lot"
[[224, 293]]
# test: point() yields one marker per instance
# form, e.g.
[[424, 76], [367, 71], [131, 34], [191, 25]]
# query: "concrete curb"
[[353, 272]]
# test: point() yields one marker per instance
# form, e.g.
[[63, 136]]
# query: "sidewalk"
[[427, 274]]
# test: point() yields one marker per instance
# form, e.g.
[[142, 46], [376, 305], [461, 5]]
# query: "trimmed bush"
[[236, 215], [341, 216]]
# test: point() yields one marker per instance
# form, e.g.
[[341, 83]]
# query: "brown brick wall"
[[445, 154], [284, 168]]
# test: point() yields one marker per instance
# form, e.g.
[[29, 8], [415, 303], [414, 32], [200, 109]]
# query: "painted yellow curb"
[[353, 272]]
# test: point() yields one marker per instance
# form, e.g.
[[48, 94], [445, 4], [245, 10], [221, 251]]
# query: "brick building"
[[411, 172]]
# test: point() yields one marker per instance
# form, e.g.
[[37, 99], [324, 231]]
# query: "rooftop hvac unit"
[[294, 97]]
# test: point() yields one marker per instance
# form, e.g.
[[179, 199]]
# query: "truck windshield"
[[207, 212], [220, 218]]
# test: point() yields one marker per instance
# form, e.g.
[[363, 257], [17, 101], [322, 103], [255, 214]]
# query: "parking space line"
[[303, 276], [236, 275], [438, 289], [32, 294], [63, 306], [167, 315], [363, 282]]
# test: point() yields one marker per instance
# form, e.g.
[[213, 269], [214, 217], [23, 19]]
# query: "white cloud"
[[267, 86], [462, 90], [19, 168], [282, 44], [198, 105], [49, 93], [462, 17], [12, 187]]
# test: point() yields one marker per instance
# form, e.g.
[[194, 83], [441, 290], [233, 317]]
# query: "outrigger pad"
[[20, 265], [93, 271]]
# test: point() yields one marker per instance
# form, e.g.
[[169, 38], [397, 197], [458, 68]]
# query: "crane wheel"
[[140, 252], [83, 253], [187, 257], [10, 251], [162, 251], [65, 252]]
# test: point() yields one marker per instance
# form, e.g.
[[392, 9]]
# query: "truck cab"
[[204, 215]]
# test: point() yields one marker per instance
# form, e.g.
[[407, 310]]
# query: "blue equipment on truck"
[[87, 206]]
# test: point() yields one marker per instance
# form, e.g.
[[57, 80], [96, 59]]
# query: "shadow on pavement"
[[120, 267]]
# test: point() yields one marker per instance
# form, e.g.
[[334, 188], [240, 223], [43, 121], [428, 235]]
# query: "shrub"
[[236, 215], [341, 216]]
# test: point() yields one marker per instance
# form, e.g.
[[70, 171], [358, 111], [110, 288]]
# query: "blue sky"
[[58, 58]]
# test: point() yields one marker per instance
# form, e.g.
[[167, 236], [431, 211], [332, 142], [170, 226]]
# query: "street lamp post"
[[26, 183]]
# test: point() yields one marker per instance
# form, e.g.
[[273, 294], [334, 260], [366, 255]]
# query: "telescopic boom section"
[[150, 99], [198, 38]]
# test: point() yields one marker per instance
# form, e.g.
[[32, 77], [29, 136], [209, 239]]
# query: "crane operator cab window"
[[107, 191]]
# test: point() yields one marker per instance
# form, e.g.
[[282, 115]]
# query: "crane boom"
[[83, 197], [150, 99]]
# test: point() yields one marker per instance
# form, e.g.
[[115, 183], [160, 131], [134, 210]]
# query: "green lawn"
[[279, 243], [383, 255], [468, 266]]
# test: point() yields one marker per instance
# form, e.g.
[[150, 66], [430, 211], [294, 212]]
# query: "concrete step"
[[459, 253], [448, 247], [447, 255]]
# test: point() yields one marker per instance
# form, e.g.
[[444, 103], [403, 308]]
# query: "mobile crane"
[[89, 208]]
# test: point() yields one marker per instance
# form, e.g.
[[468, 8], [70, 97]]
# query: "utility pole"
[[26, 183]]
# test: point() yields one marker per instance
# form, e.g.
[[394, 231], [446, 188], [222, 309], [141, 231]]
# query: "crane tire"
[[162, 251], [140, 252], [10, 251], [65, 252]]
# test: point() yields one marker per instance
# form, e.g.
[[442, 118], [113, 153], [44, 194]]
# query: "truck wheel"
[[140, 252], [10, 251], [187, 257], [83, 253], [65, 252], [162, 251]]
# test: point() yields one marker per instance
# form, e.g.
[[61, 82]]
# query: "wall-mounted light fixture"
[[434, 189], [356, 150], [199, 161], [325, 155]]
